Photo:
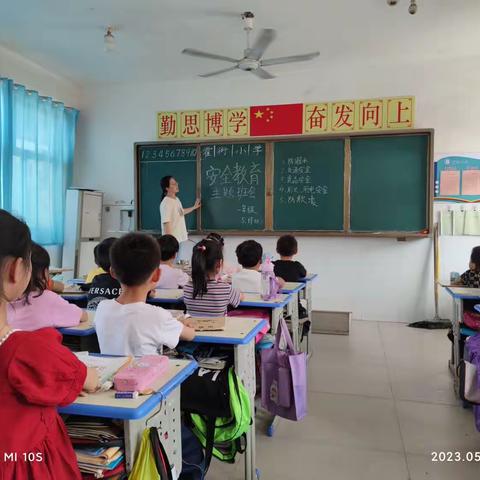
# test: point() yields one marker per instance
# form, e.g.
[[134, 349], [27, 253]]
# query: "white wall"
[[376, 279]]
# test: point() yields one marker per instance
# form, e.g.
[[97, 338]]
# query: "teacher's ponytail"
[[206, 256], [164, 184]]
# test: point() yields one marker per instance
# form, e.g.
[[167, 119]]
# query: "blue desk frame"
[[166, 418]]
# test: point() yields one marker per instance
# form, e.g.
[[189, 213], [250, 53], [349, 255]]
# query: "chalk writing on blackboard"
[[238, 174], [171, 153], [229, 151], [296, 187]]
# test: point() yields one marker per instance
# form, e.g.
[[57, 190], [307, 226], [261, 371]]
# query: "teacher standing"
[[172, 213]]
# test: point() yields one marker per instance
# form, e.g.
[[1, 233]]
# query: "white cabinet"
[[83, 228]]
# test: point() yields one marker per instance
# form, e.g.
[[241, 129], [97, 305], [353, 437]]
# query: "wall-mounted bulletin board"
[[368, 184]]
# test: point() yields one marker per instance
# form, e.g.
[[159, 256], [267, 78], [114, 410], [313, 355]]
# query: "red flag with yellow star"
[[276, 120]]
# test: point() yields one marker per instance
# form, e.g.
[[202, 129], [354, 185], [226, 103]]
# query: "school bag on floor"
[[284, 378], [218, 410]]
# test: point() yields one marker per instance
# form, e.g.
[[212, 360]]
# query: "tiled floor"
[[380, 401]]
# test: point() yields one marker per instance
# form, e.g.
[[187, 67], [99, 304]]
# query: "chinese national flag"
[[276, 120]]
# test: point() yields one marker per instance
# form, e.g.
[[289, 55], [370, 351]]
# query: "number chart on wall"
[[233, 186]]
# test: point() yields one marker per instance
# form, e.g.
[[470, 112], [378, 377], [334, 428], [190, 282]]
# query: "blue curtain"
[[37, 143]]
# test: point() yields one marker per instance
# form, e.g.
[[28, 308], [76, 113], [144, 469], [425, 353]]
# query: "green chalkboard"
[[154, 162], [308, 185], [389, 183], [233, 186]]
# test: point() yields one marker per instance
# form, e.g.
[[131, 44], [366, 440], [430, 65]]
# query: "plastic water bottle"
[[454, 276], [269, 281]]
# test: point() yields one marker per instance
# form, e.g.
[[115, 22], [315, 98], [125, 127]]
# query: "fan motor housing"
[[248, 64]]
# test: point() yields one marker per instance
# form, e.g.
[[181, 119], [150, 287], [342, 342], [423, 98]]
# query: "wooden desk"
[[459, 294], [240, 332], [160, 410], [166, 296], [82, 337], [254, 300], [73, 294]]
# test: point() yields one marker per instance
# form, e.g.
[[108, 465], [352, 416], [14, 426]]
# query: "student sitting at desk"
[[40, 307], [471, 279], [205, 296], [127, 325], [228, 269], [288, 268], [170, 276], [37, 375], [97, 256], [249, 279], [103, 286]]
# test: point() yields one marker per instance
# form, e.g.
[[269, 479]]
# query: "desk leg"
[[277, 314], [167, 420], [456, 320], [245, 369], [294, 318], [308, 299]]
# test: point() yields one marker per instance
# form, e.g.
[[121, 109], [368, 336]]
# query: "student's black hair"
[[38, 281], [102, 253], [134, 257], [205, 257], [15, 241], [249, 253], [475, 258], [217, 237], [287, 245], [164, 184], [168, 247]]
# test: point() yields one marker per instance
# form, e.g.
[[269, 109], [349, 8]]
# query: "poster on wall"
[[457, 177]]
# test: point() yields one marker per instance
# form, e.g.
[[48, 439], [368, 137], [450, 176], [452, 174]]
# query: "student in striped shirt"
[[205, 296]]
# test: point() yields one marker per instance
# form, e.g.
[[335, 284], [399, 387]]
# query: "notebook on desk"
[[208, 324]]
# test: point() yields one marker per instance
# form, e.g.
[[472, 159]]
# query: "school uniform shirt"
[[37, 375], [171, 211], [93, 273], [171, 277], [45, 310], [135, 328], [103, 287], [289, 270], [247, 281], [213, 303]]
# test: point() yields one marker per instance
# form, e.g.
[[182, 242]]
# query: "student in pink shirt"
[[40, 307], [171, 276]]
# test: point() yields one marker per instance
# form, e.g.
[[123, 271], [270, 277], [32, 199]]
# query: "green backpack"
[[225, 436]]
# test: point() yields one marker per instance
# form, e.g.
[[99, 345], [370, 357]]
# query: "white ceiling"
[[67, 35]]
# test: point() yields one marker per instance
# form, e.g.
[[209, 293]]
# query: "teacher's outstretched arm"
[[197, 204]]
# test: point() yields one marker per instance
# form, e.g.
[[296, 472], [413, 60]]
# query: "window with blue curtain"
[[37, 144]]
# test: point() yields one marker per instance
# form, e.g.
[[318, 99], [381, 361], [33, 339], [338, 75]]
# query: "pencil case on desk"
[[141, 374]]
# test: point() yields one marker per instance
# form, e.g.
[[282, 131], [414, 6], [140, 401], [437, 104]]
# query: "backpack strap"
[[160, 456], [210, 435]]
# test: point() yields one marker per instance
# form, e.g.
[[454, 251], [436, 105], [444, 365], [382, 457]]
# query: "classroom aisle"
[[381, 401]]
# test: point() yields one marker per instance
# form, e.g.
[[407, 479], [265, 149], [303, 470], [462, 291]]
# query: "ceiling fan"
[[252, 60]]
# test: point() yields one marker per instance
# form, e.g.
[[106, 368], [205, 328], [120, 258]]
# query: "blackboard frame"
[[269, 142]]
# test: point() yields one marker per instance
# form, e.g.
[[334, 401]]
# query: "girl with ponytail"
[[204, 295]]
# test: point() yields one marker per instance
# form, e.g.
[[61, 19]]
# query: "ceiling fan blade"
[[292, 58], [266, 37], [263, 74], [218, 72], [214, 56]]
